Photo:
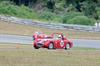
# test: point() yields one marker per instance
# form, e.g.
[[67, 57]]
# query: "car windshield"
[[57, 36], [38, 33], [48, 37]]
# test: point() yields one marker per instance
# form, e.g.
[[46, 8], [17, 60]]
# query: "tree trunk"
[[98, 26]]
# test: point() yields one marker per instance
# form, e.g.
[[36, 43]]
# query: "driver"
[[59, 37]]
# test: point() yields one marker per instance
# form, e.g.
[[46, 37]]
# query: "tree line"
[[86, 6]]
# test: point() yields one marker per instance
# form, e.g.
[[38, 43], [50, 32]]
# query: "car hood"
[[45, 39]]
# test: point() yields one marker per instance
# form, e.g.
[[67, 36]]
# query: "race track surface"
[[29, 40]]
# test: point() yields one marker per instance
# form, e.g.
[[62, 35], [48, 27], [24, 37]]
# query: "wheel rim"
[[67, 46], [50, 46]]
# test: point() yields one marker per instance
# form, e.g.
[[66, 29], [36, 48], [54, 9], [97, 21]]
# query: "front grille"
[[39, 44]]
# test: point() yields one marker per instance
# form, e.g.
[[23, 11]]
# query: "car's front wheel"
[[67, 47], [36, 47], [51, 46]]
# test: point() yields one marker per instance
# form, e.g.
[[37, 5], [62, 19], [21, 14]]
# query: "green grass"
[[27, 56], [83, 48]]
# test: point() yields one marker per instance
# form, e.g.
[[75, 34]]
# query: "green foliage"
[[64, 11], [49, 16], [60, 6], [81, 20], [90, 10], [4, 0], [70, 15], [46, 15], [22, 11], [98, 10]]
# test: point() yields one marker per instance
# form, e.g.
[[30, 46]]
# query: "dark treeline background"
[[25, 2], [50, 4]]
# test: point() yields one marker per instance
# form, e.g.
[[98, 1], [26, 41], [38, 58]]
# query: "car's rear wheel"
[[51, 46], [67, 47]]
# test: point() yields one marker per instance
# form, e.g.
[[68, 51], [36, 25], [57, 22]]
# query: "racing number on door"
[[62, 43]]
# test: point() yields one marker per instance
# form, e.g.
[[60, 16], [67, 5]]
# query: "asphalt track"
[[28, 40]]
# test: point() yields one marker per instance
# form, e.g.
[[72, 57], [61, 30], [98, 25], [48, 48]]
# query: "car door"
[[59, 43], [62, 43]]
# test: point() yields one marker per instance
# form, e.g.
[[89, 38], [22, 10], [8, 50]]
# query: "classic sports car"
[[56, 41]]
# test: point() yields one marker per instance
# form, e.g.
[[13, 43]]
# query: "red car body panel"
[[46, 40], [39, 36]]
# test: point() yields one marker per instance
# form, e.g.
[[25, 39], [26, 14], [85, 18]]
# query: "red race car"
[[56, 41]]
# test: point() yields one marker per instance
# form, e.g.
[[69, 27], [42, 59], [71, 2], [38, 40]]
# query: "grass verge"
[[17, 29], [43, 57]]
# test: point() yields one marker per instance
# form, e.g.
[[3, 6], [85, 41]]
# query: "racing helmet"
[[38, 33], [59, 36]]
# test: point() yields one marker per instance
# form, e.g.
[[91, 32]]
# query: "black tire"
[[67, 47], [36, 47], [51, 46]]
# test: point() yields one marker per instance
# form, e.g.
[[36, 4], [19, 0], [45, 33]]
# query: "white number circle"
[[62, 43]]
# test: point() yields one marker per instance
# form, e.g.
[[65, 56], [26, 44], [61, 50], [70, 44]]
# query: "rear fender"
[[70, 43]]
